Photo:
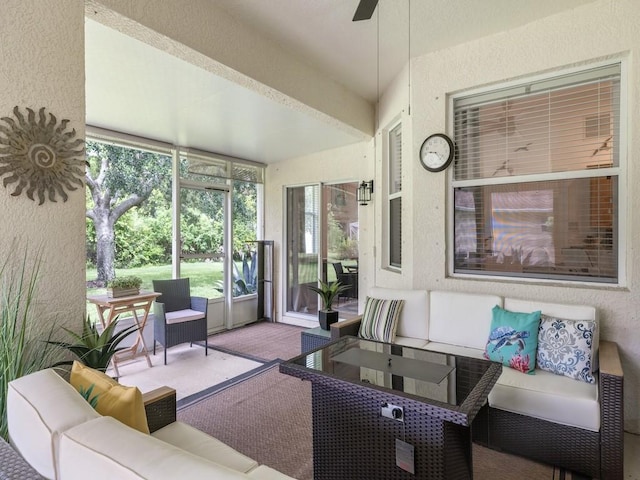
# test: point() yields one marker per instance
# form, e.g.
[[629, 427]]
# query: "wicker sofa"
[[549, 418], [60, 436]]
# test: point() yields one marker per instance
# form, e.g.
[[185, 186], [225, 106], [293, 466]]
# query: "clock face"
[[437, 152]]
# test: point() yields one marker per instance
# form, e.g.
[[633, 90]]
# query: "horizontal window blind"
[[561, 128], [395, 159], [536, 178]]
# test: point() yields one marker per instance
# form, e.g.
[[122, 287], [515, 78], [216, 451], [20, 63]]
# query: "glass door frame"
[[322, 245], [178, 184], [288, 290]]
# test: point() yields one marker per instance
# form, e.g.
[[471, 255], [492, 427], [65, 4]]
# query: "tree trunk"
[[105, 251]]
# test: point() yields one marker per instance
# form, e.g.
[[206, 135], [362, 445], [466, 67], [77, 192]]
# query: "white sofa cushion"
[[462, 319], [199, 443], [549, 397], [411, 342], [570, 312], [413, 320], [105, 449], [267, 473], [41, 406], [454, 350]]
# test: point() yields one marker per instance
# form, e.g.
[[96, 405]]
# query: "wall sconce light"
[[364, 192]]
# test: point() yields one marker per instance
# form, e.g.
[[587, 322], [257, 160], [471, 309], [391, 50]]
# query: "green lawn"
[[204, 276]]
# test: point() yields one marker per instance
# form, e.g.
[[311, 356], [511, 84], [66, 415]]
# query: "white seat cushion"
[[413, 320], [454, 350], [549, 397], [267, 473], [199, 443], [183, 316], [462, 319], [41, 406], [105, 449], [410, 342]]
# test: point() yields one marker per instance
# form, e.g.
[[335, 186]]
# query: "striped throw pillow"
[[380, 319]]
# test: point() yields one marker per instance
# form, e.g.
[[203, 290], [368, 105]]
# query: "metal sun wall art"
[[40, 155]]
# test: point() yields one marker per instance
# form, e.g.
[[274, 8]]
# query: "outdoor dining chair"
[[179, 317]]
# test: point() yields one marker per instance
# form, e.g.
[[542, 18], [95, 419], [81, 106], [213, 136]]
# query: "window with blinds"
[[395, 196], [536, 178]]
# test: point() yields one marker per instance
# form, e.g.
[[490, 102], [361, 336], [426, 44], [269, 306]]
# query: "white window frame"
[[389, 196], [621, 171]]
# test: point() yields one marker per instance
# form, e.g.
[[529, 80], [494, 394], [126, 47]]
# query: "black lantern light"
[[364, 192]]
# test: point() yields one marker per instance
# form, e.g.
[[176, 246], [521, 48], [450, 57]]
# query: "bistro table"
[[384, 411], [116, 306]]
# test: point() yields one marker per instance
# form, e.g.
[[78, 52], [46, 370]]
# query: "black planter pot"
[[327, 317]]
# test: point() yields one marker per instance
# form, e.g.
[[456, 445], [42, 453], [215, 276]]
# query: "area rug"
[[267, 416], [262, 341], [188, 370]]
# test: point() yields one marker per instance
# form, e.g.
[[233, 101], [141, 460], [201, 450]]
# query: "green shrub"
[[21, 350], [129, 281]]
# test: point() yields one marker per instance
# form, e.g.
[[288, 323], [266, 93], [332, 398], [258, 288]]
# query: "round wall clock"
[[437, 152]]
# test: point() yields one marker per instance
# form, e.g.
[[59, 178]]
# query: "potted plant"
[[95, 349], [124, 286], [328, 293]]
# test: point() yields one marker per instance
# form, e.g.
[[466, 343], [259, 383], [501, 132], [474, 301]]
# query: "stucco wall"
[[595, 31], [42, 51]]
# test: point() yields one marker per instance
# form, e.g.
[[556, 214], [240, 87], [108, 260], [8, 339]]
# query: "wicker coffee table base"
[[351, 440]]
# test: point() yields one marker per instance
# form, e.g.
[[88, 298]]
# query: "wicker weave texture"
[[572, 448], [161, 412], [13, 466], [595, 454], [309, 341], [612, 426], [352, 440]]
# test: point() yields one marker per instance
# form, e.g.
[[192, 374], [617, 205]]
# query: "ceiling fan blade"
[[365, 10]]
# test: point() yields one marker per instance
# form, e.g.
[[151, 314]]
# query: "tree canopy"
[[129, 211]]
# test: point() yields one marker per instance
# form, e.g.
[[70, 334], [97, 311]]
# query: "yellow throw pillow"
[[122, 403]]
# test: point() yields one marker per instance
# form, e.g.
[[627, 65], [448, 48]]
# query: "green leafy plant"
[[130, 281], [328, 292], [21, 349], [86, 394], [245, 282], [95, 349]]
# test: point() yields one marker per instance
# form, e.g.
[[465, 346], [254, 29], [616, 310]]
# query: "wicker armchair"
[[350, 279], [179, 317]]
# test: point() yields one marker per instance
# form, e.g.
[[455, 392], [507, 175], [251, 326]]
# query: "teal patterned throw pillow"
[[513, 339], [565, 347]]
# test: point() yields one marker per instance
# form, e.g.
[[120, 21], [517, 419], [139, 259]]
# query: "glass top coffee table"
[[381, 411]]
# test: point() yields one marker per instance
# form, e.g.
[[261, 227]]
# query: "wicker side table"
[[314, 338]]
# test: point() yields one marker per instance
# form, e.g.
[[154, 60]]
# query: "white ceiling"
[[134, 88]]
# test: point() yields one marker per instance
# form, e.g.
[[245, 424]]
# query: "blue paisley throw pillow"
[[513, 339], [565, 347]]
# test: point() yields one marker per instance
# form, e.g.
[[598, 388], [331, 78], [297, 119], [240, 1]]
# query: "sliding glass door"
[[303, 247]]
